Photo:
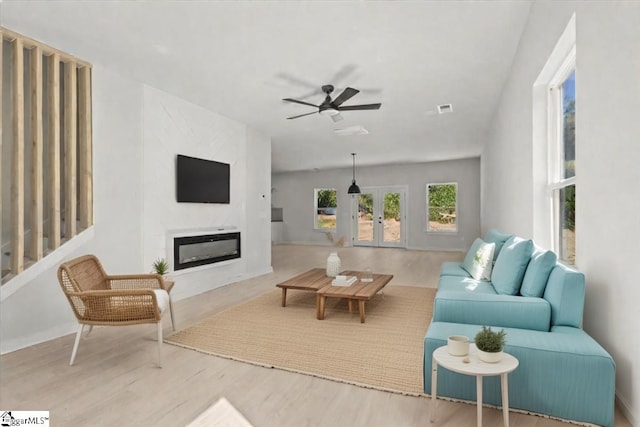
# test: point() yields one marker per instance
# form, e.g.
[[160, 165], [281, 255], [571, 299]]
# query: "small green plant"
[[490, 341], [160, 266]]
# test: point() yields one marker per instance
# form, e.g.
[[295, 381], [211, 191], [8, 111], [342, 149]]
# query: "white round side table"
[[475, 367]]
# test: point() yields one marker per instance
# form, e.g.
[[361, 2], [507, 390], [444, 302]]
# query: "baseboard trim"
[[625, 408]]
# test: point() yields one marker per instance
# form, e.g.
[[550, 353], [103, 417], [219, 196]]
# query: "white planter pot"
[[489, 357]]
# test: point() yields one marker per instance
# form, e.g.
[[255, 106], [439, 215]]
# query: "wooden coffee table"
[[316, 280], [311, 280], [359, 291]]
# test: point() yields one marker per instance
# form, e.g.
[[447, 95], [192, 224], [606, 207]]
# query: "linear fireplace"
[[192, 251]]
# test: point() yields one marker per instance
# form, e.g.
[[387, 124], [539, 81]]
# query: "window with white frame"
[[325, 208], [562, 158], [442, 207]]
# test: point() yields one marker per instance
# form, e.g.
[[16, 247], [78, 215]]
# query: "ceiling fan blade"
[[345, 95], [299, 102], [360, 107], [301, 115]]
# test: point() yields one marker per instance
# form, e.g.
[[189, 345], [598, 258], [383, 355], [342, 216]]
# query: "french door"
[[378, 215]]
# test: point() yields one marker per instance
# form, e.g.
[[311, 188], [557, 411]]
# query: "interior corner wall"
[[294, 193], [174, 126], [607, 158]]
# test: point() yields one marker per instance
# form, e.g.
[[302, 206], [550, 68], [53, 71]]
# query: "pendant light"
[[354, 189]]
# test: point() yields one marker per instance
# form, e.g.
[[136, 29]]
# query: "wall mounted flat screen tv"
[[202, 181]]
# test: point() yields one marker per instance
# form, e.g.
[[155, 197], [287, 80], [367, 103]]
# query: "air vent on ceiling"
[[445, 108]]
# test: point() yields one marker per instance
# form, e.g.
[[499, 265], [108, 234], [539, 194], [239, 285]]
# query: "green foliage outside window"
[[442, 200], [327, 198], [392, 206], [326, 208]]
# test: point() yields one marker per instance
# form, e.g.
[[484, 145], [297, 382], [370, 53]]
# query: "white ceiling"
[[241, 58]]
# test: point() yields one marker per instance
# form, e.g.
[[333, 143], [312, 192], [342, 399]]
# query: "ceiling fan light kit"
[[353, 188]]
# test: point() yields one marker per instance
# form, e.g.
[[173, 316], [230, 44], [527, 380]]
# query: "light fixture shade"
[[354, 189]]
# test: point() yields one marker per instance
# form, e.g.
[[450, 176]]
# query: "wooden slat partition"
[[59, 163], [85, 152], [17, 175], [46, 49], [37, 191], [70, 123], [53, 143]]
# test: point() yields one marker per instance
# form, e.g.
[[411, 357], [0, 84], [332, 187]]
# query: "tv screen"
[[201, 181]]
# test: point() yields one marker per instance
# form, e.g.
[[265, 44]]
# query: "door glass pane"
[[391, 218], [365, 217]]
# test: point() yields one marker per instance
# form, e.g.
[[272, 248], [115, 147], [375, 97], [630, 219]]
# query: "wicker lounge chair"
[[99, 299]]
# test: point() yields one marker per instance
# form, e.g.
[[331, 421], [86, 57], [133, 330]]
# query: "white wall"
[[294, 192], [607, 157], [174, 126], [135, 145]]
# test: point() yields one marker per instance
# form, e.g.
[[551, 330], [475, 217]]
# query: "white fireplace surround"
[[172, 234]]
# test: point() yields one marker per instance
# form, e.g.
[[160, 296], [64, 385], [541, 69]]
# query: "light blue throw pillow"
[[494, 236], [538, 271], [511, 265]]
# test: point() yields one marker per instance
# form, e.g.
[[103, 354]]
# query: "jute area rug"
[[383, 353]]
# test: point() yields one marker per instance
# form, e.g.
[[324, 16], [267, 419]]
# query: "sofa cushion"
[[537, 274], [565, 293], [511, 265], [494, 236], [479, 264], [483, 308], [563, 373], [452, 268], [465, 284]]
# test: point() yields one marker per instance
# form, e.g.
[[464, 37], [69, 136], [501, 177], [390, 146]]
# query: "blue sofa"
[[563, 372]]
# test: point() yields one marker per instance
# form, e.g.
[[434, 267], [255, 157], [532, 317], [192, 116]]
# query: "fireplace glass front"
[[193, 251]]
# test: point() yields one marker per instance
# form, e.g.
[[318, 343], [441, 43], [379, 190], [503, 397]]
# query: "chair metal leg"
[[76, 344], [160, 344]]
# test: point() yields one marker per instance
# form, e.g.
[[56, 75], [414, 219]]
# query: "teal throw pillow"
[[538, 271], [511, 265], [494, 236], [480, 262]]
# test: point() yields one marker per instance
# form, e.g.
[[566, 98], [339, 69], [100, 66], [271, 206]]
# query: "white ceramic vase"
[[333, 264], [487, 357]]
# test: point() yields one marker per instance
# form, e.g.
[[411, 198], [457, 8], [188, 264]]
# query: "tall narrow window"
[[325, 208], [442, 207], [562, 182]]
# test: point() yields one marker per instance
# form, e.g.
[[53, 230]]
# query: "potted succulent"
[[160, 266], [490, 344]]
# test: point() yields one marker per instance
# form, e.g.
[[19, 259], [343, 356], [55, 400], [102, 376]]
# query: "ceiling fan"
[[332, 108]]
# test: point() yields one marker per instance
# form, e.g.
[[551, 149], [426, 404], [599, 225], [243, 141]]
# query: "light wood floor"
[[115, 380]]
